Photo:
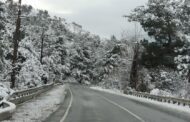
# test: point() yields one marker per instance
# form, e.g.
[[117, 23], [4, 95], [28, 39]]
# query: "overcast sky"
[[102, 17]]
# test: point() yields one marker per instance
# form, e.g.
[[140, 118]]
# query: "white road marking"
[[123, 108], [70, 104]]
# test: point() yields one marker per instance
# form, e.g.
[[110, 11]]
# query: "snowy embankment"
[[174, 109], [40, 108]]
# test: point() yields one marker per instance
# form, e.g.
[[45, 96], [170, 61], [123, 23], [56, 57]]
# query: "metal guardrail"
[[24, 95], [6, 109], [171, 100]]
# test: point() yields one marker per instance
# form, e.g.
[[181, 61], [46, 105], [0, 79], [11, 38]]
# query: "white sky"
[[102, 17]]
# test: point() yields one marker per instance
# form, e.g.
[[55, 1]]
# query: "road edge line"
[[67, 111], [123, 108]]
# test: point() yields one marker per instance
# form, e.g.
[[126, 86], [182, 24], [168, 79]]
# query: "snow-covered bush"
[[160, 93], [167, 80], [5, 91]]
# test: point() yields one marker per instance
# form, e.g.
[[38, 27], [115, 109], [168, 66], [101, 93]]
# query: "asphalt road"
[[94, 106]]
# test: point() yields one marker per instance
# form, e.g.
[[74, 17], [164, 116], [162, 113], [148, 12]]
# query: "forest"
[[35, 46]]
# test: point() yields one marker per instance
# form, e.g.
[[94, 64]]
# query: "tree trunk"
[[188, 76], [42, 47], [169, 30], [16, 39], [134, 68], [169, 39]]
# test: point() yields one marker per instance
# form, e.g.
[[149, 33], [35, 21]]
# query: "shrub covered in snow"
[[5, 91], [160, 93]]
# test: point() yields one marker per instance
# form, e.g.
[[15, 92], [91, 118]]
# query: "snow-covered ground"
[[40, 108], [174, 107]]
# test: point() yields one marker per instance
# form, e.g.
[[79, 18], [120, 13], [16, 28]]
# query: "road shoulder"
[[60, 114], [39, 108]]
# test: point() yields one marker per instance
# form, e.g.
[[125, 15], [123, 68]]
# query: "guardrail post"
[[168, 101], [174, 102], [184, 104], [171, 100], [178, 103]]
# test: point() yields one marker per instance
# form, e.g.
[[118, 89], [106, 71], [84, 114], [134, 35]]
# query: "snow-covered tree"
[[159, 18]]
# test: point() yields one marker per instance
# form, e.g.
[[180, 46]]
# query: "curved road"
[[95, 106]]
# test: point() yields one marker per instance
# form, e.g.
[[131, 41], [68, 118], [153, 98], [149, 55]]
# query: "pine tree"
[[159, 19]]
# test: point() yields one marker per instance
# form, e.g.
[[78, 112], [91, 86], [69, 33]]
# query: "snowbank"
[[112, 91]]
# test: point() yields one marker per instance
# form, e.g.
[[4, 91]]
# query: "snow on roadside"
[[173, 107], [113, 91], [5, 91], [160, 92], [40, 108]]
